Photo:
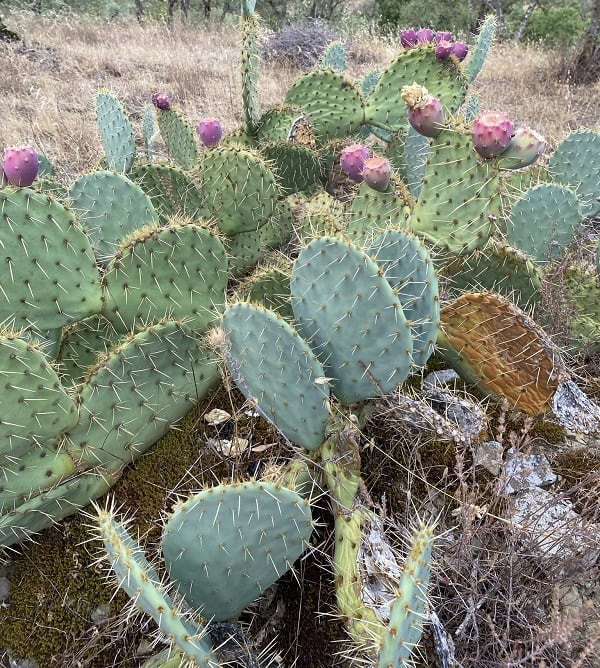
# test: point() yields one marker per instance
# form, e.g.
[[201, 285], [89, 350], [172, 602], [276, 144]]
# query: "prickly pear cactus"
[[116, 132]]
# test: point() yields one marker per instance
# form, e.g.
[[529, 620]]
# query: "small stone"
[[4, 589], [216, 416], [489, 455], [101, 614], [525, 471]]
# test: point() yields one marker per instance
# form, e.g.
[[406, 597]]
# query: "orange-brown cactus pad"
[[494, 345]]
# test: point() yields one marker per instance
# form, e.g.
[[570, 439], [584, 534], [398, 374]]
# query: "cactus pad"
[[225, 545], [275, 368], [494, 345], [352, 318], [179, 137], [49, 274], [115, 131], [178, 271]]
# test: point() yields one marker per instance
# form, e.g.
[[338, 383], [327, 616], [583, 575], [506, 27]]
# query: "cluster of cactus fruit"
[[111, 283]]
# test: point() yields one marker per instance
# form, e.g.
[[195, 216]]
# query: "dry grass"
[[49, 82]]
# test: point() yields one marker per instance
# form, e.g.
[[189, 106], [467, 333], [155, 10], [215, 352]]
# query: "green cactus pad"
[[179, 137], [49, 274], [250, 28], [137, 392], [297, 168], [543, 220], [478, 54], [115, 131], [333, 104], [141, 582], [270, 287], [372, 211], [498, 268], [240, 189], [576, 163], [408, 611], [172, 191], [352, 319], [31, 474], [34, 407], [407, 152], [225, 545], [276, 123], [459, 203], [334, 57], [148, 132], [41, 512], [280, 228], [109, 206], [581, 290], [442, 77], [83, 344], [274, 367], [178, 271], [409, 270], [243, 252]]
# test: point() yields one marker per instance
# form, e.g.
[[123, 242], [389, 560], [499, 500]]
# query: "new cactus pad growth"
[[20, 166]]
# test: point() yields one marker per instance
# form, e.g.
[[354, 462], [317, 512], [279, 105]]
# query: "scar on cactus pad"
[[20, 166]]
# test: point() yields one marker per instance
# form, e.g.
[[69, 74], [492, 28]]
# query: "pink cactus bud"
[[161, 101], [443, 49], [377, 173], [425, 112], [408, 38], [443, 36], [352, 160], [492, 133], [460, 50], [524, 149], [425, 35], [20, 166], [210, 131]]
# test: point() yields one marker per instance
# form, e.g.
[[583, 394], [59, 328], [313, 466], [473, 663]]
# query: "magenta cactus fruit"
[[408, 38], [425, 112], [161, 101], [443, 36], [20, 166], [376, 173], [210, 131], [352, 160], [443, 49], [425, 35], [524, 149], [460, 50], [492, 133]]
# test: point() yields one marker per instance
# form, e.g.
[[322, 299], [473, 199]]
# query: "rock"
[[525, 471], [551, 528], [489, 455]]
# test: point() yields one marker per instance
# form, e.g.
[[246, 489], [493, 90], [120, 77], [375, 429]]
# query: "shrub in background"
[[554, 26], [451, 15]]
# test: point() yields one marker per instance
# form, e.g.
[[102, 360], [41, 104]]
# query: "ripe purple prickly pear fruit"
[[443, 36], [443, 49], [425, 35], [20, 166], [492, 133], [425, 112], [161, 101], [377, 173], [524, 149], [408, 38], [460, 50], [352, 160], [210, 131]]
